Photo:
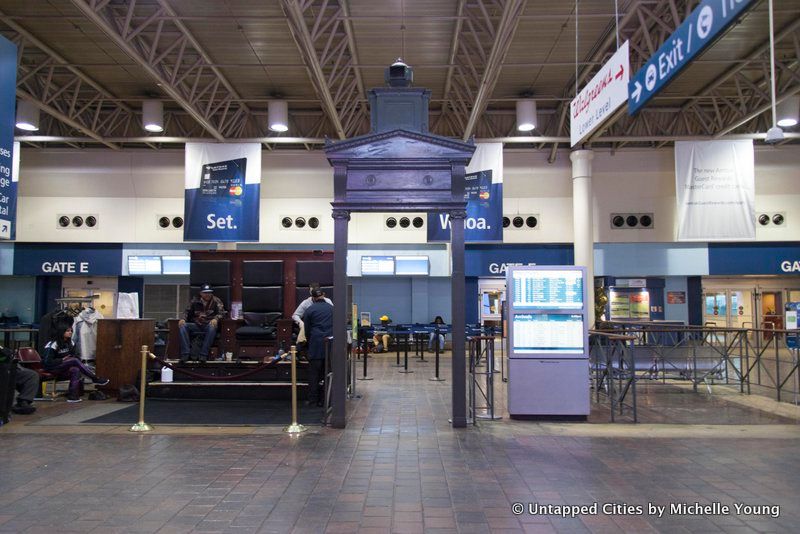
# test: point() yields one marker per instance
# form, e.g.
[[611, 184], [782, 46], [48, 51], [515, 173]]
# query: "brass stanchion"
[[295, 427], [141, 426]]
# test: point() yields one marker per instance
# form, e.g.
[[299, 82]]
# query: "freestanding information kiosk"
[[548, 369]]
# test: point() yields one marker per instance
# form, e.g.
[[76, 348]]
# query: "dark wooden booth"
[[265, 282]]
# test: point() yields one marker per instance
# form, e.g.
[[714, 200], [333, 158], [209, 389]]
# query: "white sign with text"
[[601, 97]]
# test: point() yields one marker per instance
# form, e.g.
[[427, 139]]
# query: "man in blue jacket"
[[318, 320]]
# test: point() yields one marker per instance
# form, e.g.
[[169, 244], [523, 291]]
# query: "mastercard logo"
[[484, 195], [235, 191]]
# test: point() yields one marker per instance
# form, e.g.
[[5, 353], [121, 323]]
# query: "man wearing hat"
[[318, 320], [203, 315]]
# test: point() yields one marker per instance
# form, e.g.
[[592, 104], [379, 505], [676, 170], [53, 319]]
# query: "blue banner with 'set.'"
[[8, 184], [484, 220], [223, 189]]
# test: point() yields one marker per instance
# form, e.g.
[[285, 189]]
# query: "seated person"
[[59, 358], [437, 321], [26, 382], [382, 336], [202, 316]]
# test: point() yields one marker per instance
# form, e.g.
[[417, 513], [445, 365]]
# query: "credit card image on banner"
[[223, 179]]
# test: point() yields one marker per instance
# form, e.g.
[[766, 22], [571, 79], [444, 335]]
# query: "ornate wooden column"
[[341, 220]]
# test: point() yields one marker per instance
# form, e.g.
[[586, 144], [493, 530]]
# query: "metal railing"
[[481, 354], [613, 371], [760, 361]]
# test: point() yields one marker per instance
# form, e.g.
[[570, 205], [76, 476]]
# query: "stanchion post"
[[295, 427], [405, 357], [436, 357], [364, 350], [141, 426]]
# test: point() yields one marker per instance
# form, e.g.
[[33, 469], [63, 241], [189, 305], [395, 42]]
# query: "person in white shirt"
[[297, 316]]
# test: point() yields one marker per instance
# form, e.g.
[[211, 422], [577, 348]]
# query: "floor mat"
[[211, 412]]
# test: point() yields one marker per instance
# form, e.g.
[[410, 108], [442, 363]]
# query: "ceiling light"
[[278, 115], [27, 116], [788, 111], [153, 116], [526, 115]]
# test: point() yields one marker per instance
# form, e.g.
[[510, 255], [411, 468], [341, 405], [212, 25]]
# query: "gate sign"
[[699, 30], [601, 97]]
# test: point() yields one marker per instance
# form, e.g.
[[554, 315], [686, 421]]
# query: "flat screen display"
[[548, 289], [550, 333], [377, 265], [143, 265], [175, 264], [412, 266]]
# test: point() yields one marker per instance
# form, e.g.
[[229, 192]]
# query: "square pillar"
[[341, 219]]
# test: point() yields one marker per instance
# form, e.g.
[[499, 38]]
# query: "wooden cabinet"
[[119, 348]]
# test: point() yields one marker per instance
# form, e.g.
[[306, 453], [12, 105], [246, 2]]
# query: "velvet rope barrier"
[[211, 377]]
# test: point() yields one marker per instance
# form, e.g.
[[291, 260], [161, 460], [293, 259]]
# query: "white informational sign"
[[601, 97], [715, 190]]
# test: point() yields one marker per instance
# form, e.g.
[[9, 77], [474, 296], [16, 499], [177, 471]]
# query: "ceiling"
[[216, 64]]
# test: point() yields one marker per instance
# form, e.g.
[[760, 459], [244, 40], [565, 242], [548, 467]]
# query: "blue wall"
[[403, 299], [19, 296]]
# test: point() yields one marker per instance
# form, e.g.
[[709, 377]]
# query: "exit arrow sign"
[[700, 29]]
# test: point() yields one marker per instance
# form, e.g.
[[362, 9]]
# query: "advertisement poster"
[[483, 191], [715, 190], [676, 297], [620, 305], [9, 151], [223, 192], [640, 305]]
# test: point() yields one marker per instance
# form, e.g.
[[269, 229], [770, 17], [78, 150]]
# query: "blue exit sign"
[[698, 31]]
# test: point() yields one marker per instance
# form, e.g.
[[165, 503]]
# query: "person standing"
[[298, 314], [318, 320], [202, 316]]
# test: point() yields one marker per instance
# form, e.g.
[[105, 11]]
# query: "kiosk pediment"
[[399, 145]]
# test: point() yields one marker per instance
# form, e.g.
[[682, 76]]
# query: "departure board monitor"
[[377, 265], [144, 265], [549, 333], [543, 289], [412, 265], [176, 264]]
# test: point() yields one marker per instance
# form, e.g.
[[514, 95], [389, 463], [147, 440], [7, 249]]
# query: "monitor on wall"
[[175, 264], [412, 266], [144, 265], [377, 265]]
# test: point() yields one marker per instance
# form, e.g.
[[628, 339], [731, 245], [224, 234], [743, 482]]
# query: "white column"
[[583, 219]]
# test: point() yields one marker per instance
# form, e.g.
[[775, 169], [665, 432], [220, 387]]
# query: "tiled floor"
[[399, 467]]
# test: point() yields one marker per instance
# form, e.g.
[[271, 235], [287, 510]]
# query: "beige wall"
[[128, 190]]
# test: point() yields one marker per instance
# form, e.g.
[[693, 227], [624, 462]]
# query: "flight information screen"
[[140, 265], [548, 289], [548, 333], [377, 265]]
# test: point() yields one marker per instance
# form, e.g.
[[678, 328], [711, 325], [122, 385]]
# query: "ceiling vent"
[[72, 222], [169, 222], [632, 221]]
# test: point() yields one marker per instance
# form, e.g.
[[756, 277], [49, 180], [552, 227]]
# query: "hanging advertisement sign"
[[483, 191], [9, 151], [223, 191], [601, 97], [715, 190]]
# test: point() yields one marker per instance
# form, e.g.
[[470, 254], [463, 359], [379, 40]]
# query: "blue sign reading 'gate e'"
[[698, 31]]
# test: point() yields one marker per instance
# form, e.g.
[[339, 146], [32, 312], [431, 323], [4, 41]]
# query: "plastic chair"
[[29, 357]]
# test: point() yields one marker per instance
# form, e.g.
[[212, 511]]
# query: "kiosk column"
[[583, 218]]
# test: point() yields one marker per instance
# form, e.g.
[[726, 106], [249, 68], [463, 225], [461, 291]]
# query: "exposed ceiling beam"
[[305, 44], [169, 56], [504, 34]]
